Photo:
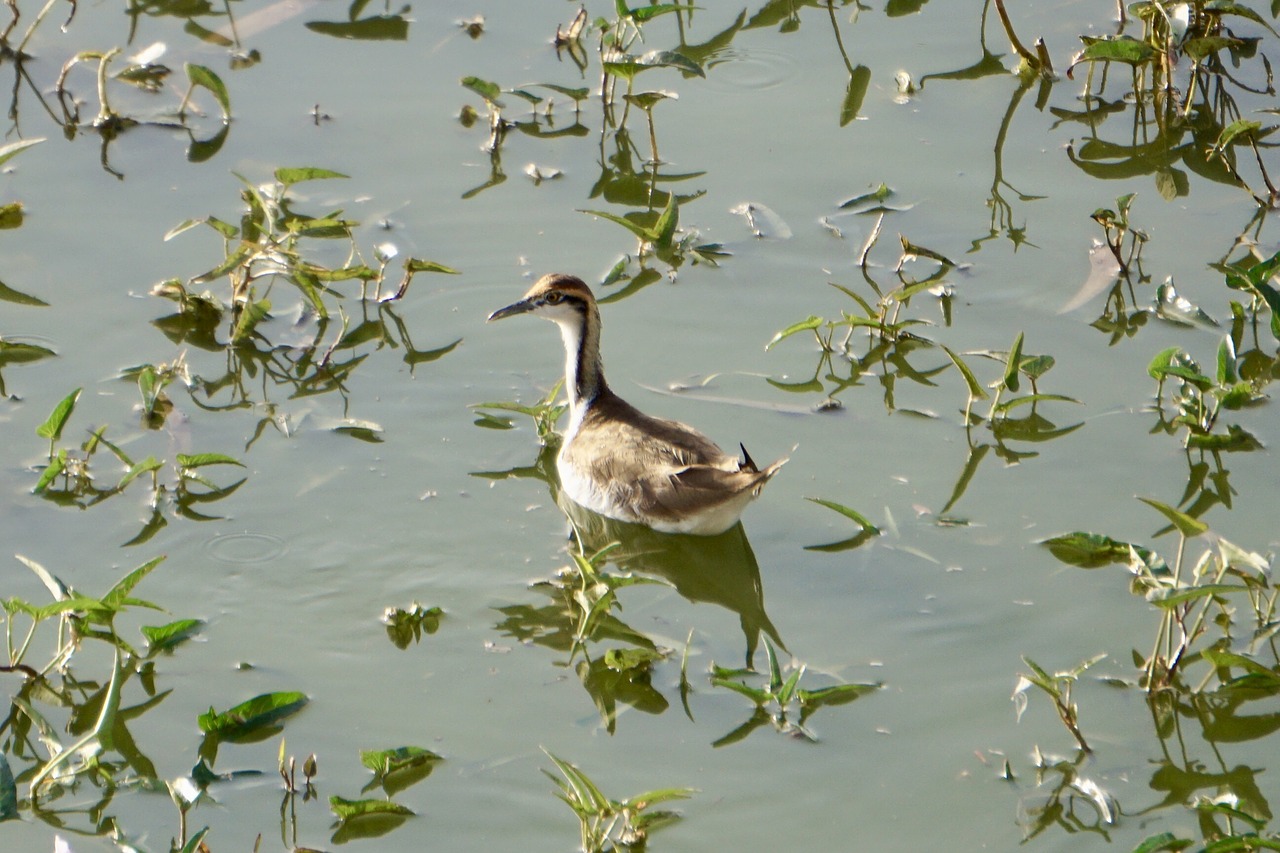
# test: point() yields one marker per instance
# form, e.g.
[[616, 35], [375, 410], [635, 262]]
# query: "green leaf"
[[416, 265], [10, 215], [387, 761], [1011, 364], [118, 596], [52, 426], [199, 75], [1124, 49], [1035, 366], [56, 466], [976, 391], [665, 228], [1187, 526], [163, 638], [809, 324], [1226, 7], [8, 294], [347, 809], [1033, 398], [8, 791], [8, 152], [145, 466], [296, 175], [1088, 550], [627, 67], [255, 713], [646, 234], [1168, 598], [1163, 361], [200, 459], [1163, 841], [485, 89], [196, 842], [848, 513]]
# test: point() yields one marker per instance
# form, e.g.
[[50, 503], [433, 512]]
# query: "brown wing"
[[660, 468]]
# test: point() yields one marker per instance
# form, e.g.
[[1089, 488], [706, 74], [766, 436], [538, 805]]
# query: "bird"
[[619, 462]]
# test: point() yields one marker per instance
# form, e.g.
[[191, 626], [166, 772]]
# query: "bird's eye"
[[553, 298]]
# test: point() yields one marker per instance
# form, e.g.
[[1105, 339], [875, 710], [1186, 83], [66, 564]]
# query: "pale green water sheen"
[[293, 570]]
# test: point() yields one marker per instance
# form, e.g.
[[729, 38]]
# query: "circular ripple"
[[245, 547], [752, 70]]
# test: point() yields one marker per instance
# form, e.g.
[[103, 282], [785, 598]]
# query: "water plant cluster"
[[293, 304]]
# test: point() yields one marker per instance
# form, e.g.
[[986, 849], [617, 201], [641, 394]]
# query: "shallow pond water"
[[371, 482]]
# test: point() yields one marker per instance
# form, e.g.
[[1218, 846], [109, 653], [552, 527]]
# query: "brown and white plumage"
[[620, 462]]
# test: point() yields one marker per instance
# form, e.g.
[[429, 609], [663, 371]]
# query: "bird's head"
[[557, 297]]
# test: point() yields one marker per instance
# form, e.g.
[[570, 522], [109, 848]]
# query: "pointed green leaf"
[[1187, 526], [809, 324], [52, 427], [296, 175], [1011, 364], [976, 391], [201, 459], [7, 152], [199, 75]]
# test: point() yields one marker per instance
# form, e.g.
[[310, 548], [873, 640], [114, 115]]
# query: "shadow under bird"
[[618, 461]]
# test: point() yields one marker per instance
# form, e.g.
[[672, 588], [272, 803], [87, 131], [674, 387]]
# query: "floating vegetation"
[[638, 131], [780, 701], [611, 825]]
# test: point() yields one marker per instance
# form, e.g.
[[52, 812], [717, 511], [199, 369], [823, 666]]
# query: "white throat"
[[571, 334]]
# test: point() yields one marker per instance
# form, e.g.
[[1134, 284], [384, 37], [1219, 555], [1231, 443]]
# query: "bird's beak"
[[524, 306]]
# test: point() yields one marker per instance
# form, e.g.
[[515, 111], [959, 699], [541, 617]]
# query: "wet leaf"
[[347, 809], [1124, 49], [1093, 550], [163, 638], [296, 175], [253, 714]]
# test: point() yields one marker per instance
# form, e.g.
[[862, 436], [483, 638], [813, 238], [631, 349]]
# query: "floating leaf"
[[296, 175], [347, 809], [256, 713], [1093, 551], [1126, 49], [163, 638]]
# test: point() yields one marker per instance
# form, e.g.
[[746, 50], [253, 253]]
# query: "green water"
[[293, 570]]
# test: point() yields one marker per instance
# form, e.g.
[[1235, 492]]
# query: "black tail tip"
[[748, 464]]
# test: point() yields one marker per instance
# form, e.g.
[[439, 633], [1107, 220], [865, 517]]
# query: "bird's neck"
[[583, 372]]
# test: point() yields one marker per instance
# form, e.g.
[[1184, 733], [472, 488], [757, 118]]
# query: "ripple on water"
[[245, 547], [751, 69]]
